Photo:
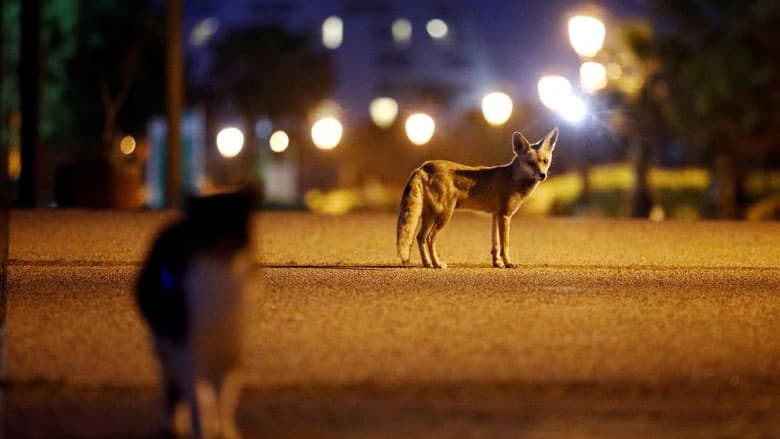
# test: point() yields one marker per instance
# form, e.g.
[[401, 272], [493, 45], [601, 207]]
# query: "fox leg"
[[503, 232], [497, 262], [438, 224], [422, 238]]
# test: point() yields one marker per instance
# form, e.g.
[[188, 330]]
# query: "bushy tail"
[[409, 214]]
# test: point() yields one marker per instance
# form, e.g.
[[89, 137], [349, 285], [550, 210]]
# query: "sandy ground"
[[608, 329]]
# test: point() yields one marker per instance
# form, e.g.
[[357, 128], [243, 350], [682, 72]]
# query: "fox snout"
[[542, 176]]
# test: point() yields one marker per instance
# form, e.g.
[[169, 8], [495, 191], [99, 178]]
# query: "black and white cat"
[[193, 292]]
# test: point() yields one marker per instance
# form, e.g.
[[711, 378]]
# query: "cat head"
[[222, 220]]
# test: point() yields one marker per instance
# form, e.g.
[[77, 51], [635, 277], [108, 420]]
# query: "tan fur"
[[438, 187]]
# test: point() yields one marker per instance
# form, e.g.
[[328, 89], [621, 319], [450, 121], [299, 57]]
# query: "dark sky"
[[514, 41]]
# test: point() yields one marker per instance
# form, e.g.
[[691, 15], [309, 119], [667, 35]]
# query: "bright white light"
[[496, 107], [127, 145], [326, 133], [332, 32], [279, 141], [573, 109], [203, 31], [420, 128], [553, 90], [230, 141], [593, 76], [402, 30], [383, 111], [436, 28], [586, 35]]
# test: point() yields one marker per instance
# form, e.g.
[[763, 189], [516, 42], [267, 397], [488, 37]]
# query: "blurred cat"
[[193, 292]]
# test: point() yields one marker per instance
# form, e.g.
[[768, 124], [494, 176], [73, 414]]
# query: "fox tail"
[[409, 214]]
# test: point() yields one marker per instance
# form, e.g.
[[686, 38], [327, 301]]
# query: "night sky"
[[513, 42]]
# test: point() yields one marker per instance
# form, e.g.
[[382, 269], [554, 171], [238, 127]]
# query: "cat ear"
[[520, 144]]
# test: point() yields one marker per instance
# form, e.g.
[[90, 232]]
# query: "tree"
[[266, 71], [720, 84], [116, 74]]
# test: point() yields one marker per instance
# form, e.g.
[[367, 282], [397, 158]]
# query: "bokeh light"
[[497, 108], [326, 133], [593, 76], [553, 90], [614, 71], [573, 109], [436, 28], [383, 111], [402, 31], [332, 32], [230, 141], [203, 31], [420, 128], [586, 35], [279, 141], [127, 145]]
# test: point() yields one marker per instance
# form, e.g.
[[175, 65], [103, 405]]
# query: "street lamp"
[[383, 111], [593, 76], [402, 31], [127, 145], [420, 128], [436, 28], [326, 133], [332, 32], [496, 107], [553, 91], [573, 109], [230, 141], [279, 141], [586, 35]]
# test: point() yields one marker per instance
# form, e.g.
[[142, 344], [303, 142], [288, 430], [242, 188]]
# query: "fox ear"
[[550, 139], [519, 143]]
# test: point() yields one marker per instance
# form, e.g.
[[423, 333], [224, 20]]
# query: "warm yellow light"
[[326, 133], [593, 76], [553, 91], [383, 111], [436, 28], [496, 107], [420, 128], [127, 145], [332, 32], [402, 30], [14, 163], [586, 35], [279, 141], [230, 141]]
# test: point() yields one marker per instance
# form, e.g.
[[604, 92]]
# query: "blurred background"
[[667, 108]]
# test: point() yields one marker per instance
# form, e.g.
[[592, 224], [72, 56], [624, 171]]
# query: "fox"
[[438, 187], [193, 292]]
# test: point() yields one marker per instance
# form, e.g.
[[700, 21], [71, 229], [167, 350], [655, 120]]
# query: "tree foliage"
[[721, 76], [266, 71]]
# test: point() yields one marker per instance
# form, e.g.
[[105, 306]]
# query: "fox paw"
[[498, 264], [510, 265], [440, 265]]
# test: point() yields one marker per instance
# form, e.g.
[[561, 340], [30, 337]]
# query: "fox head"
[[534, 159]]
